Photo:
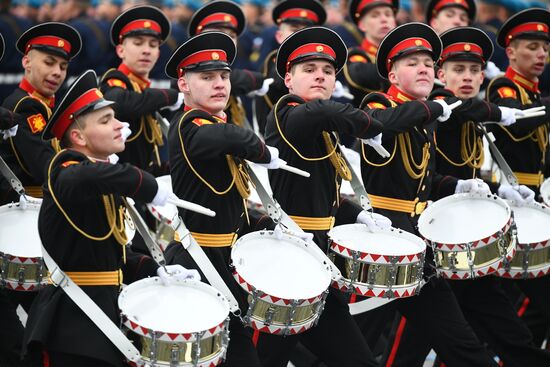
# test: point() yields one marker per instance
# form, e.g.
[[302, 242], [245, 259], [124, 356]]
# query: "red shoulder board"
[[358, 58], [507, 92], [199, 122], [374, 105], [293, 104], [116, 83], [36, 123], [69, 163]]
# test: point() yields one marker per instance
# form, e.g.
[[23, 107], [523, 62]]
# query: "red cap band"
[[364, 3], [139, 24], [447, 3], [462, 48], [218, 18], [310, 48], [409, 43], [201, 56], [67, 117], [49, 41], [524, 28], [298, 13]]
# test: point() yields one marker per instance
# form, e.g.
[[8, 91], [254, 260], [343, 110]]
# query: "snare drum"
[[167, 217], [385, 263], [471, 234], [21, 264], [532, 259], [545, 191], [286, 280], [181, 324]]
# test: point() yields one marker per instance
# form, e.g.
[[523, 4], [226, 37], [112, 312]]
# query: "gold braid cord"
[[117, 230], [405, 147], [237, 111], [337, 161], [471, 148]]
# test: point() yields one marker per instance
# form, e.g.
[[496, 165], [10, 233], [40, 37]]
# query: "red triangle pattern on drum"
[[172, 336], [133, 325], [375, 257], [212, 330], [144, 330]]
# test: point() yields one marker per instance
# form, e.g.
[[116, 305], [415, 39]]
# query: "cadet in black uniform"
[[525, 37], [301, 126], [47, 49], [289, 16], [207, 155], [228, 17], [137, 34], [375, 18], [79, 225], [459, 153], [7, 117], [400, 185]]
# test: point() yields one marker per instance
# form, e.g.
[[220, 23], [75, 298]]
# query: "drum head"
[[545, 191], [282, 268], [463, 218], [533, 223], [183, 307], [391, 242], [19, 230]]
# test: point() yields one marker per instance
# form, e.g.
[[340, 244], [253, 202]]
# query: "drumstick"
[[531, 114], [452, 106], [295, 170], [534, 109], [379, 148], [184, 204]]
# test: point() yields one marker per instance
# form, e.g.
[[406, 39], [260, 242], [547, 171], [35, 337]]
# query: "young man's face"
[[206, 90], [413, 74], [98, 134], [286, 29], [310, 80], [44, 71], [463, 78], [528, 57], [377, 22], [139, 53], [448, 18]]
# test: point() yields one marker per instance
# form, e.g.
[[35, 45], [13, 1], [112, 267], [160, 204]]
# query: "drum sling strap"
[[11, 177], [91, 309]]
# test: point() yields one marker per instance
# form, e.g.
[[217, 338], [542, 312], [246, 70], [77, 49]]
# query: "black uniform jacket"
[[277, 89], [136, 104], [77, 184], [408, 136], [524, 143], [295, 128], [26, 153], [199, 144], [459, 143], [7, 119]]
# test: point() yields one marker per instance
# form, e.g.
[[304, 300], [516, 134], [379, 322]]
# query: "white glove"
[[446, 110], [279, 232], [164, 193], [9, 132], [176, 106], [374, 221], [126, 132], [509, 115], [341, 92], [473, 186], [377, 140], [263, 90], [520, 195], [23, 202], [275, 161], [491, 70], [176, 272], [113, 158]]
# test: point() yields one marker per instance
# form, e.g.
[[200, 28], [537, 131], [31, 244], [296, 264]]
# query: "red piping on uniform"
[[45, 358], [140, 180], [523, 307], [396, 341], [255, 337]]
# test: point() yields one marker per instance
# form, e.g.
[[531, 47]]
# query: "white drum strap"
[[91, 309], [203, 262]]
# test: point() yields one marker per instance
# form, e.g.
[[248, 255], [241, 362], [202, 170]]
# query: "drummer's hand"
[[520, 195], [176, 272], [275, 161], [164, 192], [279, 232], [473, 186], [374, 221], [125, 131]]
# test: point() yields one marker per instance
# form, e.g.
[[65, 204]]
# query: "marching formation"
[[374, 192]]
